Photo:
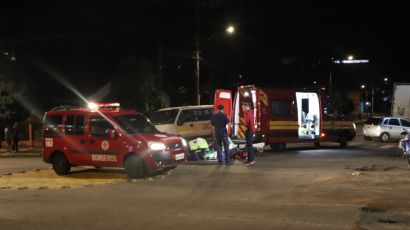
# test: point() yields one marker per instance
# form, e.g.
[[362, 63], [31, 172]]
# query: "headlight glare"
[[184, 142], [157, 146]]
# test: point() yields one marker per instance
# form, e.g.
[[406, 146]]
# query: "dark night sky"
[[278, 43]]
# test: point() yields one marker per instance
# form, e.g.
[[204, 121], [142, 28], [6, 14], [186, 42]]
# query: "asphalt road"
[[363, 187], [16, 164]]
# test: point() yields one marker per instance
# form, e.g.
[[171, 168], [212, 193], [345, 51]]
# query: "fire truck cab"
[[104, 135], [286, 116]]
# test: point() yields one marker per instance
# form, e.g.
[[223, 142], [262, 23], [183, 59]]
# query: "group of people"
[[219, 123], [12, 137]]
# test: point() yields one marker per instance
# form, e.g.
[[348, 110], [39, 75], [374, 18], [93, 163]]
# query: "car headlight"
[[157, 146], [184, 142]]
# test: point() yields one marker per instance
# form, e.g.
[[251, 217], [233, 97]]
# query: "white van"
[[186, 121]]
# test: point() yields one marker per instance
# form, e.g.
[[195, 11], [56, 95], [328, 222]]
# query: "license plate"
[[179, 156]]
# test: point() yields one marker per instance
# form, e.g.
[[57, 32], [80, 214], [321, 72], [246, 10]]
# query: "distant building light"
[[351, 61]]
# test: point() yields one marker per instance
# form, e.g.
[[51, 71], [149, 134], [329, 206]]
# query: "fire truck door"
[[102, 144], [75, 138]]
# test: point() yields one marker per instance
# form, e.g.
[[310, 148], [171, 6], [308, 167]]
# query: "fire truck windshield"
[[135, 124]]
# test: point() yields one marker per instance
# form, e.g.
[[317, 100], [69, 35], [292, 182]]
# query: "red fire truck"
[[285, 116], [104, 135]]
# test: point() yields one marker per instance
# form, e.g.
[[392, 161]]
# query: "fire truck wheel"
[[134, 167], [60, 164], [317, 144]]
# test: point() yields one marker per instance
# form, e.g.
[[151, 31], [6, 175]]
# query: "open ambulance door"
[[309, 115], [224, 97]]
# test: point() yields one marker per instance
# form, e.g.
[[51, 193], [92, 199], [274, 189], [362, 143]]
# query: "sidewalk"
[[23, 152]]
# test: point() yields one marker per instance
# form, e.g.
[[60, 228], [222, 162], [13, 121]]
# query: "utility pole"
[[197, 53], [159, 65], [197, 60], [330, 83]]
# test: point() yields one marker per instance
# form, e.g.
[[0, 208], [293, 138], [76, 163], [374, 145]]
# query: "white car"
[[385, 128], [186, 121]]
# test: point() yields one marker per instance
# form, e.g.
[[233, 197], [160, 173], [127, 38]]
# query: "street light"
[[363, 86], [350, 57], [229, 30]]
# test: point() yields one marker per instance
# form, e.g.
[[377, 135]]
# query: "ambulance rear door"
[[224, 97]]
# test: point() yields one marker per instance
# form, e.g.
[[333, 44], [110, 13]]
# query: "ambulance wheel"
[[317, 144], [134, 167], [343, 141], [278, 146], [61, 165]]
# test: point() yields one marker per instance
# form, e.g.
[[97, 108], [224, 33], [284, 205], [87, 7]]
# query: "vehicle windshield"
[[373, 121], [135, 124], [164, 117]]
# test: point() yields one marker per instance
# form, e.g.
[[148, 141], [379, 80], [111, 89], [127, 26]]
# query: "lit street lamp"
[[229, 30], [363, 86]]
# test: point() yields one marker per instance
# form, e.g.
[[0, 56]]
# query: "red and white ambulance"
[[285, 116], [104, 135]]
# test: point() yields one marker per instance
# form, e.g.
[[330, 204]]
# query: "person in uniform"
[[250, 131], [219, 122]]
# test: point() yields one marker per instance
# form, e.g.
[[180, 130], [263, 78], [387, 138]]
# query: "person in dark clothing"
[[219, 122], [16, 137], [250, 131]]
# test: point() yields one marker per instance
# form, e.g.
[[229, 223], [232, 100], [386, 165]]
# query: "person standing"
[[219, 122], [8, 137], [250, 131], [16, 137]]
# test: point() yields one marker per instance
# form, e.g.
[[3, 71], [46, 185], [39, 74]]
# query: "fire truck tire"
[[343, 140], [134, 167], [60, 164], [317, 144]]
